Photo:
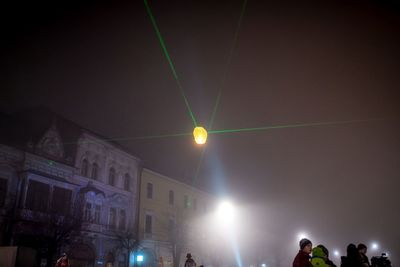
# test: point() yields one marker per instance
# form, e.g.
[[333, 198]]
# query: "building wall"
[[190, 205], [20, 169]]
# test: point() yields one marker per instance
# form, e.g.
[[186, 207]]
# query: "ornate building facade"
[[66, 189]]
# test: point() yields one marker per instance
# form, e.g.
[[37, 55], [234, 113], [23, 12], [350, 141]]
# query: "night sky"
[[99, 64]]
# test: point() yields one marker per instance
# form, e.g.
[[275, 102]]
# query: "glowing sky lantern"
[[200, 135]]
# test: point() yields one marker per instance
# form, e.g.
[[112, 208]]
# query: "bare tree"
[[52, 230], [58, 230], [127, 242]]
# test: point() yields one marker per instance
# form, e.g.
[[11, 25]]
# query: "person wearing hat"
[[189, 261], [302, 258], [63, 261]]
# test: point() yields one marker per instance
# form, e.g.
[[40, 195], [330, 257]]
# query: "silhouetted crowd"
[[319, 257]]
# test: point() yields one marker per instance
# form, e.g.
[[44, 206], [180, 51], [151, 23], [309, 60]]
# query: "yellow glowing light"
[[200, 135]]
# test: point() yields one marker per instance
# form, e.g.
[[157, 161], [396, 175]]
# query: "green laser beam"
[[133, 138], [283, 126], [227, 67], [225, 74], [254, 129], [196, 175], [164, 48]]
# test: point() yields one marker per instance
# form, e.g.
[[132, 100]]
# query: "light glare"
[[139, 258], [302, 235], [336, 253], [225, 211]]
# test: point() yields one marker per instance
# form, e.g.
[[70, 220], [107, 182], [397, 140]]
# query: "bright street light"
[[374, 246], [139, 258], [336, 253], [225, 213]]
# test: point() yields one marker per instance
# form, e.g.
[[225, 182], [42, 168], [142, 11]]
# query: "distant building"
[[65, 189], [171, 215]]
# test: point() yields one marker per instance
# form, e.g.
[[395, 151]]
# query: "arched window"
[[122, 219], [84, 168], [88, 212], [95, 169], [111, 177], [127, 182], [113, 218]]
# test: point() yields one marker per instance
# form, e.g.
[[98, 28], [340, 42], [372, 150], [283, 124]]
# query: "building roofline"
[[106, 141], [176, 181]]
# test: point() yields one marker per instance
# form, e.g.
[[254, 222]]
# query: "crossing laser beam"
[[171, 65], [283, 126], [196, 175], [237, 130], [228, 64], [122, 139]]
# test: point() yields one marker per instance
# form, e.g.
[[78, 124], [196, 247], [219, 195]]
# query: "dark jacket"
[[364, 259], [302, 259], [330, 263], [61, 262], [351, 261], [190, 263]]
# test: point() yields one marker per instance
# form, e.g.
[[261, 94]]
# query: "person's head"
[[189, 256], [325, 250], [64, 255], [362, 248], [318, 252], [305, 245], [351, 249]]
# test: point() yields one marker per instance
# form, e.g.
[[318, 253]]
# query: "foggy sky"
[[100, 65]]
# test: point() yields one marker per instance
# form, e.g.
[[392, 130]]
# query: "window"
[[127, 180], [95, 169], [122, 220], [194, 204], [38, 196], [97, 213], [186, 203], [171, 227], [148, 224], [113, 218], [61, 203], [3, 191], [111, 177], [171, 197], [84, 168], [149, 190], [88, 212]]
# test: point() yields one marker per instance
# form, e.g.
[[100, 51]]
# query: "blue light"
[[139, 258], [131, 259]]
